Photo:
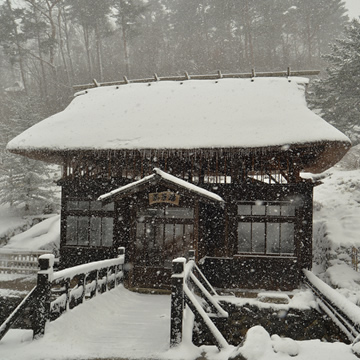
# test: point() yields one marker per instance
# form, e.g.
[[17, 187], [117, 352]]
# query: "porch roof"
[[192, 114], [157, 177]]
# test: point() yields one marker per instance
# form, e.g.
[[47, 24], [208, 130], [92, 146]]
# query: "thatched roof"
[[192, 114]]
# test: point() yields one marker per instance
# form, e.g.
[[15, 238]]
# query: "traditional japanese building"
[[210, 163]]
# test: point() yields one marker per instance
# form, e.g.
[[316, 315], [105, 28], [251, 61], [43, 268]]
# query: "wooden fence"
[[20, 262], [60, 291]]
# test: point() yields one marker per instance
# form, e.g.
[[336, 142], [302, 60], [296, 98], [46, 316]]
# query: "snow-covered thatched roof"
[[223, 113]]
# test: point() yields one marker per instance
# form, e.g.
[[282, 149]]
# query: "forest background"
[[47, 46]]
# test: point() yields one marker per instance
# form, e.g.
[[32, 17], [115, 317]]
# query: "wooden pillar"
[[177, 301], [42, 305]]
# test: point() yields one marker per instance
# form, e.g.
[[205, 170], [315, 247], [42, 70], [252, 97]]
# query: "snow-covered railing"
[[345, 314], [20, 262], [184, 283], [60, 291]]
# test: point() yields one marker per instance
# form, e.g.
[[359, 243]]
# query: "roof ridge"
[[186, 76]]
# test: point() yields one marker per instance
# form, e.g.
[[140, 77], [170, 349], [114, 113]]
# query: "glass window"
[[109, 207], [258, 209], [83, 205], [287, 238], [72, 205], [288, 210], [71, 230], [95, 231], [244, 237], [258, 237], [272, 238], [180, 213], [95, 205], [244, 209], [266, 227], [273, 210], [107, 231], [83, 229]]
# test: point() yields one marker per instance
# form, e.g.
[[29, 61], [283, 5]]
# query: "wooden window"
[[266, 227], [163, 234], [89, 223]]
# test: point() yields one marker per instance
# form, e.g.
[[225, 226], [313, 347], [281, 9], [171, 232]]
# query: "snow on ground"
[[128, 325], [119, 323], [10, 221], [337, 225], [42, 236]]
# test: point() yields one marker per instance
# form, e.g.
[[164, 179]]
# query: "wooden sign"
[[164, 197]]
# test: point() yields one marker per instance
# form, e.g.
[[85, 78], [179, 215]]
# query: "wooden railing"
[[20, 262], [345, 314], [60, 291], [184, 285]]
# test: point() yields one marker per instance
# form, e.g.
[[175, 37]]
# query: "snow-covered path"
[[124, 325], [116, 324]]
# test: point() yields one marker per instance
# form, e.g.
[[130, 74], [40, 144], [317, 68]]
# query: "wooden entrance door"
[[162, 233]]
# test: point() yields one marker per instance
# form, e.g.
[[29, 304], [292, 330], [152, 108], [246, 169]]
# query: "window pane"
[[244, 209], [168, 247], [71, 230], [273, 210], [244, 237], [83, 205], [95, 231], [288, 210], [287, 238], [159, 235], [272, 238], [95, 205], [188, 235], [140, 235], [181, 213], [107, 231], [258, 209], [258, 237], [72, 205], [179, 240], [83, 227], [109, 207]]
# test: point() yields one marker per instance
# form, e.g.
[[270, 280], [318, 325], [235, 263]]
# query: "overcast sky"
[[353, 7]]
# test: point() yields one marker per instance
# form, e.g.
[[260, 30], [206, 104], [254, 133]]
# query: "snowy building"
[[211, 164]]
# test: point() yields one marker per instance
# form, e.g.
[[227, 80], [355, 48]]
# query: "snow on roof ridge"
[[157, 172], [189, 186], [219, 75]]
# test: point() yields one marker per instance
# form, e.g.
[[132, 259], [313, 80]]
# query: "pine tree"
[[338, 95], [25, 184]]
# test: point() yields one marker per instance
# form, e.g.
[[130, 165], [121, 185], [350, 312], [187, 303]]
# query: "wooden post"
[[121, 252], [191, 254], [42, 304], [177, 301]]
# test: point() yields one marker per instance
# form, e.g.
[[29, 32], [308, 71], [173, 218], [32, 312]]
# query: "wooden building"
[[211, 163]]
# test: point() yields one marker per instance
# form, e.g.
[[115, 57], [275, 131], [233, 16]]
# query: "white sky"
[[353, 7]]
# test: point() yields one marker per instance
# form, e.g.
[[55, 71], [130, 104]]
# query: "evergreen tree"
[[25, 184], [338, 95]]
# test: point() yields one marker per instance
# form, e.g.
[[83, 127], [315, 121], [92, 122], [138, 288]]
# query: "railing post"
[[177, 301], [191, 254], [42, 304], [121, 252]]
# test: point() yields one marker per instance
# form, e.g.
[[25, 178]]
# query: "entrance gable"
[[160, 177]]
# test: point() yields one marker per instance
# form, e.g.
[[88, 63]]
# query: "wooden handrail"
[[183, 280], [57, 292]]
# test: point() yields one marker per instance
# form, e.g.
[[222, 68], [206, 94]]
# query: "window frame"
[[93, 210], [264, 217]]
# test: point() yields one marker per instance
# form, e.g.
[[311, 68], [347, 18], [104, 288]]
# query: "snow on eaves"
[[190, 114], [171, 178]]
